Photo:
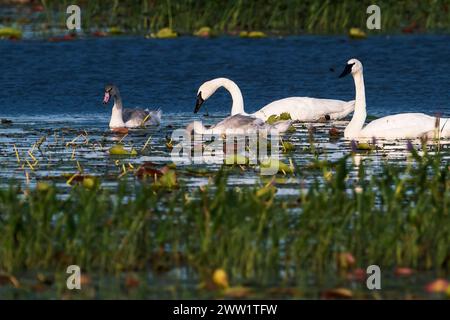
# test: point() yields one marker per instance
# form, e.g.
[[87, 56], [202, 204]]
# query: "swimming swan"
[[404, 125], [239, 124], [300, 108], [130, 118]]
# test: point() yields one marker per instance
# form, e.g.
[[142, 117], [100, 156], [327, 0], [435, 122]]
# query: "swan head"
[[110, 91], [353, 66], [206, 90]]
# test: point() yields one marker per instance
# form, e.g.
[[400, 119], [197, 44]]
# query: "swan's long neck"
[[236, 95], [359, 115], [116, 115]]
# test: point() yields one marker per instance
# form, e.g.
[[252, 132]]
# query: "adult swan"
[[403, 125], [300, 108]]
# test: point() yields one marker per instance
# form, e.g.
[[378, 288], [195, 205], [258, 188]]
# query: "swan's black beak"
[[199, 102], [347, 70]]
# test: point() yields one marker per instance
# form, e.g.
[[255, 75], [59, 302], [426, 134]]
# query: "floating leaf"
[[115, 31], [277, 166], [203, 32], [42, 186], [286, 147], [119, 150], [89, 182], [164, 33], [401, 271], [236, 159], [10, 33], [252, 34], [291, 129], [437, 286], [357, 33], [282, 117], [338, 293], [272, 119], [220, 278], [364, 146], [334, 132], [148, 169]]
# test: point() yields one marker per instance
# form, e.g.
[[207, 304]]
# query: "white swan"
[[239, 124], [300, 108], [404, 125], [130, 118]]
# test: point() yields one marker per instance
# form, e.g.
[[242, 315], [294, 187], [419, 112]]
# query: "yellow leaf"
[[220, 278]]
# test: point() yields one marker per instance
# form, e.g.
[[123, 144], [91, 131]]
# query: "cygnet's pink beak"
[[106, 98]]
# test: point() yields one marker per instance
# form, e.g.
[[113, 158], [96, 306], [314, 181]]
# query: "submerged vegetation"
[[278, 17], [398, 219]]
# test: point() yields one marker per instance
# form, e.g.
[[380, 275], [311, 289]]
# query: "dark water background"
[[65, 80]]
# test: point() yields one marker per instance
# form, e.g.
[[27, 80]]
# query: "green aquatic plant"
[[398, 217], [281, 117], [277, 17]]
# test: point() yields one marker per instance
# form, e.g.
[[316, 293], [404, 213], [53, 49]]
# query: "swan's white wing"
[[307, 109], [404, 125]]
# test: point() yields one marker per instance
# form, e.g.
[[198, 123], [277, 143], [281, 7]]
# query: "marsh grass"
[[399, 217], [293, 16]]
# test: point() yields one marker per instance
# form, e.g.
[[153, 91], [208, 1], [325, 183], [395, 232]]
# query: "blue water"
[[65, 80]]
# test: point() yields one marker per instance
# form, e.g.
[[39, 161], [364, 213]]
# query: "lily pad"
[[164, 33], [203, 32], [365, 146], [287, 146], [236, 159], [274, 164], [252, 34], [119, 150], [357, 33], [10, 33], [282, 117]]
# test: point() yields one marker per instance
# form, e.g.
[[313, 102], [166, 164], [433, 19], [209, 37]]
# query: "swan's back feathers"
[[307, 109], [134, 114], [405, 125], [239, 121], [135, 117]]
